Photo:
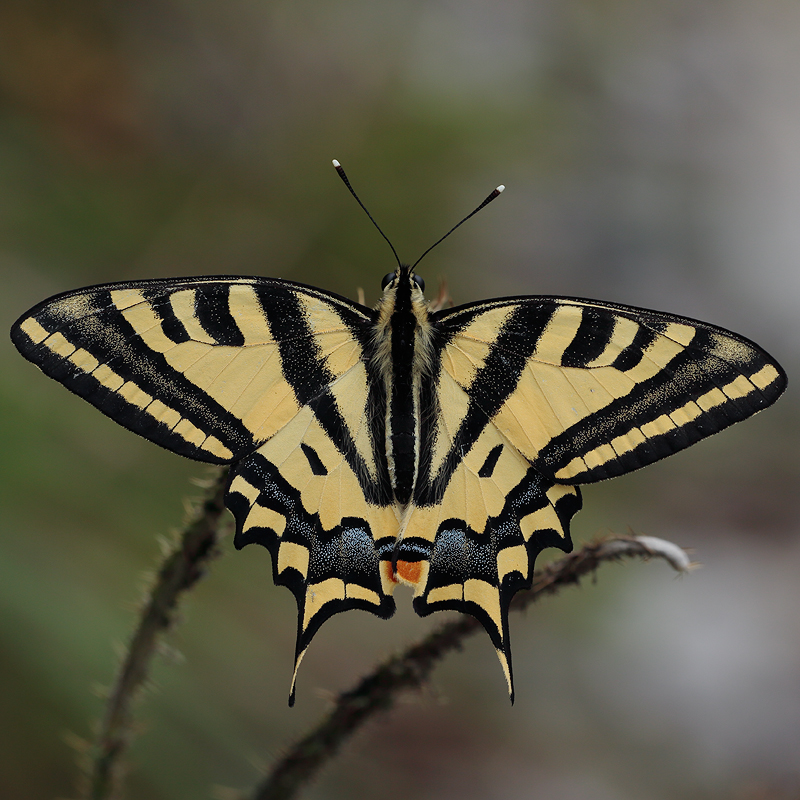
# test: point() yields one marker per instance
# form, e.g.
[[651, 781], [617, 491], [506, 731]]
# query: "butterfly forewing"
[[205, 367], [586, 391]]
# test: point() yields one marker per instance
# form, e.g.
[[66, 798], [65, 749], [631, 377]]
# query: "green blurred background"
[[651, 150]]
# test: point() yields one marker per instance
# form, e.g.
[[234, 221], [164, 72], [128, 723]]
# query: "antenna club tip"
[[336, 164], [500, 188]]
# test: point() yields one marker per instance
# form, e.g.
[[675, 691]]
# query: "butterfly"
[[374, 447]]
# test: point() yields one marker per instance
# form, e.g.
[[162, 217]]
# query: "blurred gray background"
[[651, 153]]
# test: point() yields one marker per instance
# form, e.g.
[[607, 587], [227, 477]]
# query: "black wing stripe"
[[494, 382], [632, 354], [591, 339], [314, 461], [213, 313], [303, 364], [695, 397], [171, 325], [491, 462], [305, 370], [376, 424], [128, 378], [428, 426]]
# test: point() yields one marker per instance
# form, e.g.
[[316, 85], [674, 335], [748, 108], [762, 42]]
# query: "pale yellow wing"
[[206, 367], [586, 390]]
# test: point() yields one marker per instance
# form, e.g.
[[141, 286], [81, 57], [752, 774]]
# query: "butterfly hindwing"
[[299, 496], [477, 542]]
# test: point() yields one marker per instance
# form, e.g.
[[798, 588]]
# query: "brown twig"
[[378, 691], [180, 570]]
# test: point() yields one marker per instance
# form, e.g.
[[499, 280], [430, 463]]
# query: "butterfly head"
[[403, 276], [403, 296]]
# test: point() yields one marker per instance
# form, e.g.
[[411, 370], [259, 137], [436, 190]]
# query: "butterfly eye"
[[387, 279], [419, 282]]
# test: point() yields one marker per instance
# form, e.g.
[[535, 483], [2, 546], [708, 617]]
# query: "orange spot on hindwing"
[[409, 571]]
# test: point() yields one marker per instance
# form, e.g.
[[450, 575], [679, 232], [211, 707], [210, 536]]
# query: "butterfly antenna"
[[343, 175], [492, 196]]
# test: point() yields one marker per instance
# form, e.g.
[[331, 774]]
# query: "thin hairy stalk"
[[409, 670], [182, 567]]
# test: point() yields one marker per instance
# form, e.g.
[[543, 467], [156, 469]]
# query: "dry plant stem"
[[378, 691], [182, 567]]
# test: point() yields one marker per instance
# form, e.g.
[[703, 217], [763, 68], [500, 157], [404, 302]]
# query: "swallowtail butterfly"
[[375, 447]]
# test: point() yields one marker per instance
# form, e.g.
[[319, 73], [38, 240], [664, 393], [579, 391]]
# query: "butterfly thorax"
[[403, 336]]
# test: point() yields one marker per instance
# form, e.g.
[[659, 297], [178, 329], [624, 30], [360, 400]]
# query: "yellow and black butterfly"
[[371, 447]]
